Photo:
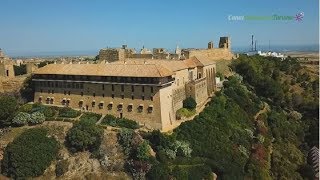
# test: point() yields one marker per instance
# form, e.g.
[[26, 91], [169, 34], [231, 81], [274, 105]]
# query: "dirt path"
[[264, 110]]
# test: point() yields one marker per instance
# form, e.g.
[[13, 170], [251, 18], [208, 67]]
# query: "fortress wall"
[[212, 54], [112, 54], [142, 56]]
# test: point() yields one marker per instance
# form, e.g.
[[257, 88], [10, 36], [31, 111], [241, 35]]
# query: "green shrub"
[[37, 118], [68, 112], [189, 103], [21, 119], [125, 138], [49, 111], [200, 172], [29, 154], [84, 135], [62, 167], [37, 107], [159, 172], [27, 108], [180, 173], [143, 151], [8, 106], [184, 112], [119, 122], [92, 116]]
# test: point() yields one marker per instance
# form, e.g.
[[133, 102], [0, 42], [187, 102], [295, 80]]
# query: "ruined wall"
[[141, 56], [6, 70], [112, 54]]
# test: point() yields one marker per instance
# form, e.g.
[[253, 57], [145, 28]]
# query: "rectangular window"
[[81, 86], [132, 88], [122, 88]]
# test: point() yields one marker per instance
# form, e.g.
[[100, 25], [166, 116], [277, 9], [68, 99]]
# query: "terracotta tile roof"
[[112, 69], [204, 60], [173, 65]]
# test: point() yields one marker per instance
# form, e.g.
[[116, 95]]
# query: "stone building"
[[149, 91], [6, 65]]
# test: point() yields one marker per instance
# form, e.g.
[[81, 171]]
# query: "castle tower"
[[225, 43], [1, 53], [178, 50], [210, 45], [6, 66]]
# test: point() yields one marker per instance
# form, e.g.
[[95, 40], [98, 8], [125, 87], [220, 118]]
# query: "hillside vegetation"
[[261, 125]]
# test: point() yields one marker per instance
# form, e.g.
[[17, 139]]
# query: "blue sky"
[[79, 25]]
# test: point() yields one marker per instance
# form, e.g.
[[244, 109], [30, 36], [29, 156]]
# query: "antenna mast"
[[252, 43]]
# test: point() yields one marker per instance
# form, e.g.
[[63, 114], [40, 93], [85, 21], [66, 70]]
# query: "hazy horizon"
[[237, 49]]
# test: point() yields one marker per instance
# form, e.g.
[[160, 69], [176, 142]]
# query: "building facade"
[[148, 91]]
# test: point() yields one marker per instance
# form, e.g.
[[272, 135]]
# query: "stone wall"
[[197, 89], [6, 70], [112, 54], [141, 56], [31, 67], [210, 54]]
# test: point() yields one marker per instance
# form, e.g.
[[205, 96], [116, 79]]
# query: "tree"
[[84, 135], [143, 151], [8, 105], [189, 103], [20, 70], [27, 91], [29, 154], [125, 138]]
